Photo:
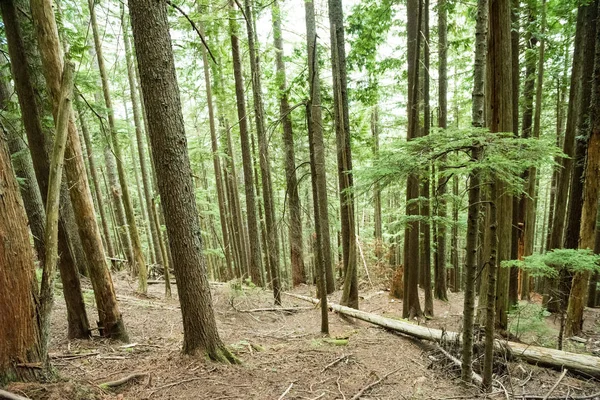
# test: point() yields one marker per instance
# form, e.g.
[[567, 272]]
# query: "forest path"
[[279, 352]]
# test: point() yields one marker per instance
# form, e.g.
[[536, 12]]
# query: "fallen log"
[[582, 363]]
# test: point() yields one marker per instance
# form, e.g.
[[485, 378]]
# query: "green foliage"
[[503, 156], [549, 264], [528, 319]]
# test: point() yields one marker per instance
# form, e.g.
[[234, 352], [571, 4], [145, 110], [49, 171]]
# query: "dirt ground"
[[283, 355]]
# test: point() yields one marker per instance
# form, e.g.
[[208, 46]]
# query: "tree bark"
[[294, 206], [410, 305], [26, 86], [344, 153], [255, 261], [425, 181], [500, 109], [440, 287], [264, 157], [591, 194], [96, 182], [141, 147], [20, 337], [138, 263], [110, 318], [174, 176]]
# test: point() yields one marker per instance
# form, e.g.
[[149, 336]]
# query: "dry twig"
[[124, 380], [334, 362], [11, 396], [286, 391], [560, 378], [371, 385]]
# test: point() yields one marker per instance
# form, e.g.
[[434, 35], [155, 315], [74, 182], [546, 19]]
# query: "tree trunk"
[[138, 263], [110, 318], [294, 206], [565, 172], [272, 244], [147, 185], [410, 305], [39, 145], [500, 108], [440, 288], [317, 167], [471, 262], [20, 337], [255, 261], [591, 193], [526, 223], [174, 176], [344, 154], [96, 182], [425, 183]]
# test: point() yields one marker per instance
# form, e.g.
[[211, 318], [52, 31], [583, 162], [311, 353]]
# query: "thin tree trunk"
[[294, 206], [255, 262], [425, 183], [139, 264], [344, 154], [110, 318], [442, 183], [96, 182], [477, 121], [377, 222], [272, 243], [61, 120], [410, 305], [174, 176], [500, 109], [317, 167]]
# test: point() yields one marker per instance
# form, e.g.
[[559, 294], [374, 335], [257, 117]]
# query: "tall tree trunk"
[[442, 184], [555, 287], [323, 267], [110, 318], [146, 178], [425, 183], [255, 261], [477, 121], [527, 199], [377, 222], [20, 337], [500, 116], [591, 192], [96, 182], [516, 226], [344, 154], [39, 145], [294, 206], [23, 167], [174, 176], [139, 264], [272, 243], [316, 122], [410, 305], [216, 160]]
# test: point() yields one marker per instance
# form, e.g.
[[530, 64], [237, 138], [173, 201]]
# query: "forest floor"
[[284, 356]]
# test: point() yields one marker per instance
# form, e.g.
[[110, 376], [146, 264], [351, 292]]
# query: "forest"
[[281, 199]]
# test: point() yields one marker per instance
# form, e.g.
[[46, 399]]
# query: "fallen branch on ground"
[[371, 385], [560, 378], [474, 376], [581, 363], [124, 380], [334, 362], [168, 385], [73, 356], [286, 391], [11, 396], [287, 310]]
